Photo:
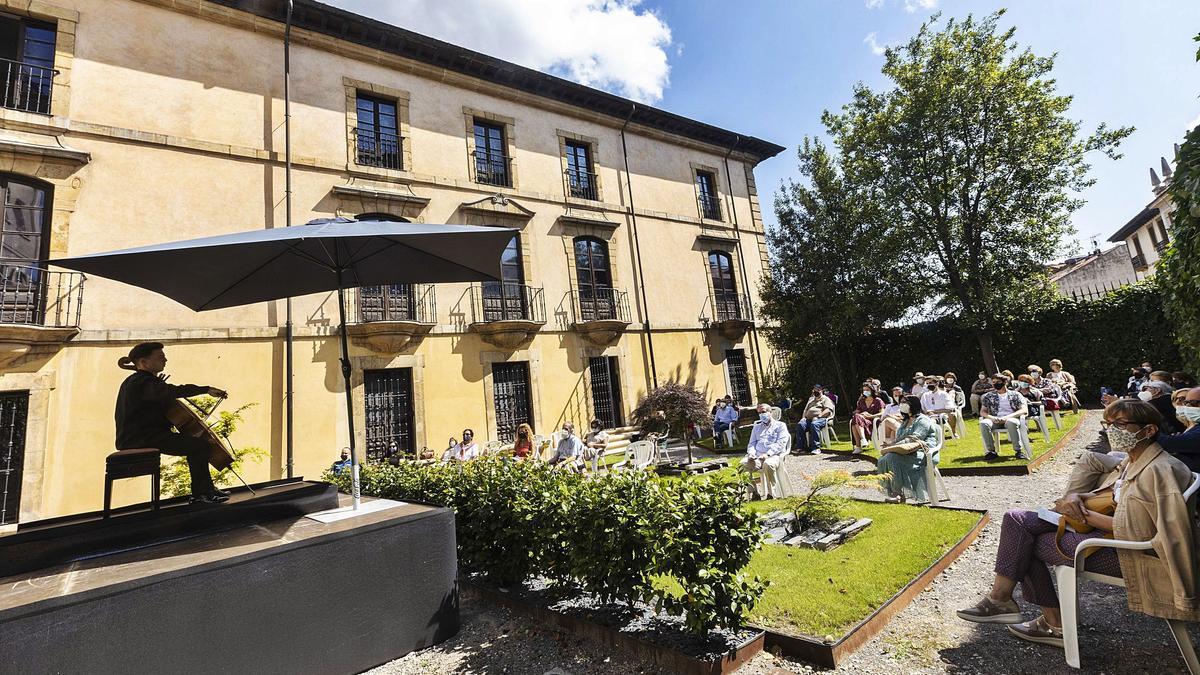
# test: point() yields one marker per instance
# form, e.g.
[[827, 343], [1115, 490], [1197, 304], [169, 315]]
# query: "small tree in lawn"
[[675, 405]]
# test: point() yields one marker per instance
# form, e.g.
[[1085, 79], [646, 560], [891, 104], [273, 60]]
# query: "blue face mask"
[[765, 418], [1188, 413]]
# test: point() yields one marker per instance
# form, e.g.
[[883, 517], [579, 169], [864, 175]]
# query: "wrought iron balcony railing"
[[35, 296], [581, 184], [1139, 262], [491, 168], [599, 304], [1160, 246], [375, 147], [728, 306], [506, 301], [415, 303], [710, 206], [27, 87]]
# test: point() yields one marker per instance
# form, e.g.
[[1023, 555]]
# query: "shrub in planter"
[[822, 506]]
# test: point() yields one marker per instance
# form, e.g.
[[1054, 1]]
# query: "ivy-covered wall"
[[1097, 341]]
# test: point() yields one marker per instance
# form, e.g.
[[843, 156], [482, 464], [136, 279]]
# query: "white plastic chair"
[[1040, 420], [876, 426], [638, 455], [959, 422], [827, 431], [1068, 579], [1023, 426], [933, 477]]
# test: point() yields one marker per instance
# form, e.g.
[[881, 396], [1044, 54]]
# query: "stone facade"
[[154, 138]]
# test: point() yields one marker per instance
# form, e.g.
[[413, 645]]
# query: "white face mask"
[[1121, 440], [1145, 395], [866, 393], [950, 381], [1187, 413], [904, 408], [765, 417]]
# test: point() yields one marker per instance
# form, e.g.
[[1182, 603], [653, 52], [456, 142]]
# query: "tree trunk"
[[988, 353]]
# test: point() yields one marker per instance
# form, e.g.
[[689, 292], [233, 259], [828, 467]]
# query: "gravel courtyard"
[[926, 637]]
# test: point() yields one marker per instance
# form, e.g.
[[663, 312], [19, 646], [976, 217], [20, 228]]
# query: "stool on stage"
[[131, 464]]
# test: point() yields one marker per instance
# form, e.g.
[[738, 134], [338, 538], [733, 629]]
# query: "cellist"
[[142, 422]]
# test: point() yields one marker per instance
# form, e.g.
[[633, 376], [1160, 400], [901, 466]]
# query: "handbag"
[[1103, 502], [907, 447]]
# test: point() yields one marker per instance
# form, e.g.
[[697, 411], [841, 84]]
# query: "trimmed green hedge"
[[612, 534], [1097, 341]]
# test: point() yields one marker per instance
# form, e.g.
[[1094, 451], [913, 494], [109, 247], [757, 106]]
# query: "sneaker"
[[990, 611], [1021, 455], [219, 491], [815, 451], [210, 498], [990, 455], [1039, 631], [857, 451]]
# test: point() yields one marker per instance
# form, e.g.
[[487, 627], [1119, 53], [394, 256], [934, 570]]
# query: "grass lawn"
[[965, 452]]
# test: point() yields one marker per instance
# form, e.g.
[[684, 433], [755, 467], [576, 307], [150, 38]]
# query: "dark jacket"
[[1166, 408], [141, 408], [1185, 446]]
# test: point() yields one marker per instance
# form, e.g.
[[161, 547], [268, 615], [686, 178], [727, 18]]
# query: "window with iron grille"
[[606, 390], [491, 158], [581, 181], [396, 302], [14, 410], [739, 380], [377, 135], [27, 58], [23, 249], [725, 298], [594, 279], [510, 388], [389, 411], [706, 194], [505, 300]]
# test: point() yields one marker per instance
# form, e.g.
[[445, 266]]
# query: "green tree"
[[1179, 269], [673, 404], [972, 157], [176, 480]]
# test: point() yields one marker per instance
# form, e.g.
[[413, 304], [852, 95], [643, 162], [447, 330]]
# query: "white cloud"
[[911, 6], [871, 41], [874, 4], [609, 44]]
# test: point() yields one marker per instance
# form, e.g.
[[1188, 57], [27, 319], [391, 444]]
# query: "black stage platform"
[[196, 589]]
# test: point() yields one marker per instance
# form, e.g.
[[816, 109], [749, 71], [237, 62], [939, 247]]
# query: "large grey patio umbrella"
[[323, 255]]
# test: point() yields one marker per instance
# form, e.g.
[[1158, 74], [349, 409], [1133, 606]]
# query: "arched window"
[[23, 248], [594, 277], [396, 302], [725, 297], [505, 299]]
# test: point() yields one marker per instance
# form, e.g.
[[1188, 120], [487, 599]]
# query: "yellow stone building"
[[131, 122]]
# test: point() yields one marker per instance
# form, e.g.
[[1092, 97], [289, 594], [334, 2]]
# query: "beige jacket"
[[818, 407], [1151, 508]]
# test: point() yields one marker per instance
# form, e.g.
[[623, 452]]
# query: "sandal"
[[1040, 631], [990, 611]]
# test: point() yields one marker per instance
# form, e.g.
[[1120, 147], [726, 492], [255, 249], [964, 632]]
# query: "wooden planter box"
[[662, 656], [828, 654]]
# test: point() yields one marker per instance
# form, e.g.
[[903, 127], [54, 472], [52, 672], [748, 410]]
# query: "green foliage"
[[823, 505], [175, 479], [611, 534], [1179, 269], [680, 405], [1097, 341]]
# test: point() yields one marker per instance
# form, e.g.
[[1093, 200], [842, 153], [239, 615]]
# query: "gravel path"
[[926, 637]]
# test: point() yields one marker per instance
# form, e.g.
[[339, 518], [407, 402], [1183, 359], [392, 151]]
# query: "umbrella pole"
[[355, 485]]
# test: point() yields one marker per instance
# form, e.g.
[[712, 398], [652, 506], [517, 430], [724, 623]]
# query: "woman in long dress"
[[905, 458]]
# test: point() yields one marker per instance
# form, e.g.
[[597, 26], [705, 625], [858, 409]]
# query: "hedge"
[[1097, 341], [613, 535]]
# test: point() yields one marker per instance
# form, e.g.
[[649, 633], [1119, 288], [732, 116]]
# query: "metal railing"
[[1160, 246], [27, 87], [1139, 262], [375, 147], [32, 295], [580, 184], [710, 206], [599, 304], [506, 301], [491, 168], [731, 306], [414, 303]]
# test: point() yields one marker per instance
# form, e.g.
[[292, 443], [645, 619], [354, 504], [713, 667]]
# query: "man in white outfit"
[[769, 445]]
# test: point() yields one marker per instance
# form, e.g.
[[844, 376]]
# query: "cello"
[[186, 418]]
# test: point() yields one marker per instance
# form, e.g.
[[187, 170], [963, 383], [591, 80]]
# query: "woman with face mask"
[[905, 458], [1147, 487], [866, 411]]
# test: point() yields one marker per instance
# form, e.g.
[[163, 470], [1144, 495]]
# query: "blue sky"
[[770, 67]]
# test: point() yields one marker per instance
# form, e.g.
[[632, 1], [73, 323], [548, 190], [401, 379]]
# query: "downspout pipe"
[[289, 347], [637, 248], [742, 258]]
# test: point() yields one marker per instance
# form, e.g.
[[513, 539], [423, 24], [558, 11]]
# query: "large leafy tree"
[[1179, 270], [975, 163]]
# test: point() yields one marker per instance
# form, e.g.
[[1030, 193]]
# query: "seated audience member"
[[918, 387], [569, 452], [938, 403], [726, 417], [878, 387], [1065, 382], [891, 417], [1181, 380], [1137, 378], [1033, 396], [868, 408], [955, 390], [523, 445], [1008, 375], [1052, 394], [1158, 394], [981, 386], [767, 449], [905, 458], [594, 445], [1185, 446], [1147, 486], [465, 451], [342, 464], [1003, 406], [818, 411]]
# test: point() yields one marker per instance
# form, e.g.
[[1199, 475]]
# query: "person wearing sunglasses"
[[1185, 446], [1147, 487]]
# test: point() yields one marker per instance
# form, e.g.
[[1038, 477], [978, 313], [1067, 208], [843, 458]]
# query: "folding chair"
[[933, 478], [1068, 579]]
